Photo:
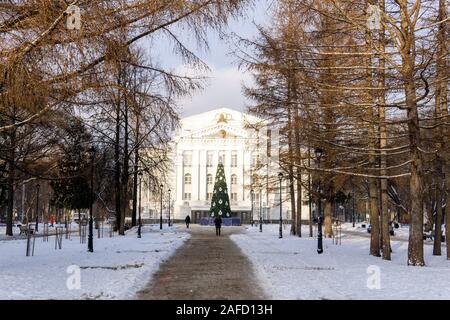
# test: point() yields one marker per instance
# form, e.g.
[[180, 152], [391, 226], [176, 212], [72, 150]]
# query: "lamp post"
[[140, 205], [260, 208], [91, 220], [319, 153], [37, 207], [252, 200], [169, 206], [160, 214], [280, 176], [353, 214]]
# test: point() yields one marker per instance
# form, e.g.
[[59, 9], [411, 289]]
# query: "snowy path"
[[290, 268], [118, 268], [206, 267]]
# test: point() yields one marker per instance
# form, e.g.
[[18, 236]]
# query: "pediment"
[[218, 131]]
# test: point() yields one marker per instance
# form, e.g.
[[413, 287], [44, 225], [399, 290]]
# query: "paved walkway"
[[206, 267]]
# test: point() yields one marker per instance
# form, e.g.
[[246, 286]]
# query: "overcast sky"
[[224, 85]]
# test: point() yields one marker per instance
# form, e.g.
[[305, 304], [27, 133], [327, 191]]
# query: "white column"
[[180, 179], [195, 175], [228, 170], [202, 175]]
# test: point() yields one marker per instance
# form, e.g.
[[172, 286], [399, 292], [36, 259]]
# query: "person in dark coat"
[[218, 223], [188, 221]]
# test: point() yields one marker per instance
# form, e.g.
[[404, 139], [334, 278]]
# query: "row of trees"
[[65, 90], [364, 82]]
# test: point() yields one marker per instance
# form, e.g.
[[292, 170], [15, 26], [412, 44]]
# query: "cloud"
[[222, 89]]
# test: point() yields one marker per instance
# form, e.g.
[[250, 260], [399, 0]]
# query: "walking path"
[[206, 267]]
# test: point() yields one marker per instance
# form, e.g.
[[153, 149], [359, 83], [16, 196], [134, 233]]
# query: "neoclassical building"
[[226, 135]]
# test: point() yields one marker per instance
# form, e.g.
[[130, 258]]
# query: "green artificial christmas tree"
[[220, 204]]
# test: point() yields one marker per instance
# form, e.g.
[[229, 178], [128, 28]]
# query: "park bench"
[[25, 230]]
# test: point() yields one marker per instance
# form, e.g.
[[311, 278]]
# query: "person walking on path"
[[218, 223], [187, 220], [52, 220]]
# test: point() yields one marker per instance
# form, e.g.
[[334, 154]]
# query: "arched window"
[[187, 179], [234, 179], [209, 179]]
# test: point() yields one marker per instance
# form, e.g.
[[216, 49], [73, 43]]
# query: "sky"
[[223, 87]]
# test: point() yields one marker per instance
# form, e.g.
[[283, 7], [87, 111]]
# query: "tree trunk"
[[125, 171], [415, 247], [310, 194], [375, 243], [291, 174], [135, 179], [374, 219], [299, 202], [438, 219], [441, 111], [328, 222], [117, 170], [385, 218], [298, 160], [11, 180]]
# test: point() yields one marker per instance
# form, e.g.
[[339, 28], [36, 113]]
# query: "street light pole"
[[353, 215], [140, 204], [169, 206], [260, 208], [280, 176], [37, 207], [91, 220], [160, 214], [319, 153], [252, 200]]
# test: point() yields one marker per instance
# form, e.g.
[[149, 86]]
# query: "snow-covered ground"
[[290, 268], [402, 233], [118, 268]]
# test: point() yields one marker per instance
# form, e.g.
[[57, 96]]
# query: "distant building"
[[198, 144]]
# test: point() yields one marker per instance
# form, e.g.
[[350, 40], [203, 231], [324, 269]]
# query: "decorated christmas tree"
[[220, 204]]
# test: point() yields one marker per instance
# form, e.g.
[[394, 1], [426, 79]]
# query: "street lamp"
[[140, 204], [280, 176], [353, 214], [260, 208], [37, 206], [91, 220], [160, 215], [319, 154], [252, 193], [169, 206]]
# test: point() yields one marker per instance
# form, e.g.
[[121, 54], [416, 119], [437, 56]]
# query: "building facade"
[[226, 135]]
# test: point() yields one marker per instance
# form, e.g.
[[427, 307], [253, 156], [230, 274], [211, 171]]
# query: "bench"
[[25, 230]]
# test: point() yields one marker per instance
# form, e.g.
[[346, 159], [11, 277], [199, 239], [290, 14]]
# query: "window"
[[234, 179], [209, 159], [209, 179], [187, 158], [234, 197], [187, 179], [187, 196], [234, 159], [256, 160]]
